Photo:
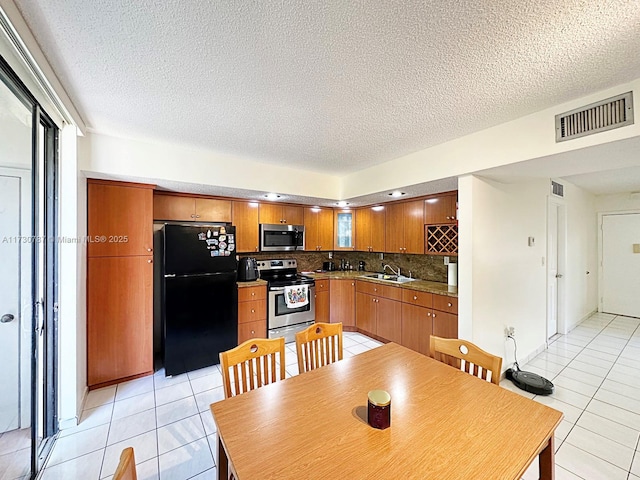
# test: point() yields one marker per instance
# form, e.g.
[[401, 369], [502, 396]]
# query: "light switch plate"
[[636, 248], [532, 241]]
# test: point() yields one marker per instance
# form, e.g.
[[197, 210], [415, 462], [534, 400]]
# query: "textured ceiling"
[[332, 86]]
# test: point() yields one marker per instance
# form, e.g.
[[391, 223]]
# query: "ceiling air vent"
[[605, 115], [557, 189]]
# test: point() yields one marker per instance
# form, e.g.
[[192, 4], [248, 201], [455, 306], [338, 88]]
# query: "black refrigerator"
[[199, 293]]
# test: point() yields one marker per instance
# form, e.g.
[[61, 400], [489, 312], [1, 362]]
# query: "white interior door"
[[552, 270], [621, 264], [10, 317]]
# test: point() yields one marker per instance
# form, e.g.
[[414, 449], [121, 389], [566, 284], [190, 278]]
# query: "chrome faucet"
[[391, 268]]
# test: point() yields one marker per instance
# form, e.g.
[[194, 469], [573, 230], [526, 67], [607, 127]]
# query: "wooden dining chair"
[[252, 364], [319, 345], [127, 467], [467, 357]]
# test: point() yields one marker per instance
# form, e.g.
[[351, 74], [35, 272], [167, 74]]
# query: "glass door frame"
[[44, 301]]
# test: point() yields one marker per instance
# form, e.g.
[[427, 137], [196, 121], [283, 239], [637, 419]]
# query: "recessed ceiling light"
[[272, 196], [377, 208], [397, 194], [342, 203]]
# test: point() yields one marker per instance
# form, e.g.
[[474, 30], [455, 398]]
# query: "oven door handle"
[[281, 289]]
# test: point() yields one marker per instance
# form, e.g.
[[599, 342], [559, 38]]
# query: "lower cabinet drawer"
[[252, 330], [252, 311], [445, 304]]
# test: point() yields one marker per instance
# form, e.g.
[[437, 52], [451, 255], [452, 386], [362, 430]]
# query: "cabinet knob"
[[197, 216], [434, 315], [193, 215], [450, 304], [415, 298], [375, 289], [253, 310], [256, 248], [149, 249], [149, 261], [253, 332], [353, 284], [428, 314], [253, 294]]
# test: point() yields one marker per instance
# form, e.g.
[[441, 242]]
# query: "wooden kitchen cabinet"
[[440, 209], [318, 229], [252, 313], [286, 214], [404, 227], [185, 208], [370, 230], [322, 301], [416, 327], [119, 219], [445, 316], [119, 318], [378, 310], [342, 294], [119, 282], [245, 219]]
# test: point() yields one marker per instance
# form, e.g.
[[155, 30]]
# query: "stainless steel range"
[[285, 320]]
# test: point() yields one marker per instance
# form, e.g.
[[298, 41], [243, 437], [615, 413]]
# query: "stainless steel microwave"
[[281, 238]]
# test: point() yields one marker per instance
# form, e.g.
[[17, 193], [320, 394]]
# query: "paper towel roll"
[[452, 277]]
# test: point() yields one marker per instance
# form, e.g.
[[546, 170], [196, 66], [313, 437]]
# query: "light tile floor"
[[15, 454], [595, 368], [166, 420], [596, 372]]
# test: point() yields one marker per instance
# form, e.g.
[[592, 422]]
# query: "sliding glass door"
[[28, 278]]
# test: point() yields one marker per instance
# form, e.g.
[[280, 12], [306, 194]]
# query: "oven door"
[[279, 315]]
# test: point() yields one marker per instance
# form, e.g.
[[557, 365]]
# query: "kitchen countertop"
[[255, 283], [419, 285]]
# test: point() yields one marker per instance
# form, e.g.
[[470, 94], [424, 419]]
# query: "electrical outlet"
[[509, 332], [330, 255], [381, 256], [446, 260]]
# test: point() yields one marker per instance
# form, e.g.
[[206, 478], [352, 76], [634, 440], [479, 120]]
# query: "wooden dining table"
[[445, 424]]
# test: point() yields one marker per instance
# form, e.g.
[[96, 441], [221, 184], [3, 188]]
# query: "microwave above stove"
[[281, 238]]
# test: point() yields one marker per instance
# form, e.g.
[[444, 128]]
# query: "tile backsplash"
[[424, 267]]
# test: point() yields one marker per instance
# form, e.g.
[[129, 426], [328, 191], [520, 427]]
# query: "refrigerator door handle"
[[171, 275], [276, 289]]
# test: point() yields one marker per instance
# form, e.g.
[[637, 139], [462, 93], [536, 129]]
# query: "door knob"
[[558, 275], [6, 318]]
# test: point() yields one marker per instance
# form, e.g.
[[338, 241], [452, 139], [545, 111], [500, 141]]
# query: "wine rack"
[[441, 239]]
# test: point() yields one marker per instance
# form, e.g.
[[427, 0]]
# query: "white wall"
[[622, 202], [72, 324], [503, 281], [150, 161]]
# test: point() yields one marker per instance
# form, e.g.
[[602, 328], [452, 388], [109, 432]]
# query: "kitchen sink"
[[389, 278]]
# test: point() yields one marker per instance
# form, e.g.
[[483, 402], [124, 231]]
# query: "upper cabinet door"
[[325, 229], [440, 209], [270, 213], [377, 230], [414, 227], [120, 220], [213, 210], [174, 207], [245, 218], [292, 215], [363, 229], [343, 230], [394, 231], [311, 220]]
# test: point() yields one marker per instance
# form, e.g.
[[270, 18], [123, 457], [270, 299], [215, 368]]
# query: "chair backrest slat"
[[319, 345], [126, 469], [467, 357], [249, 364]]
